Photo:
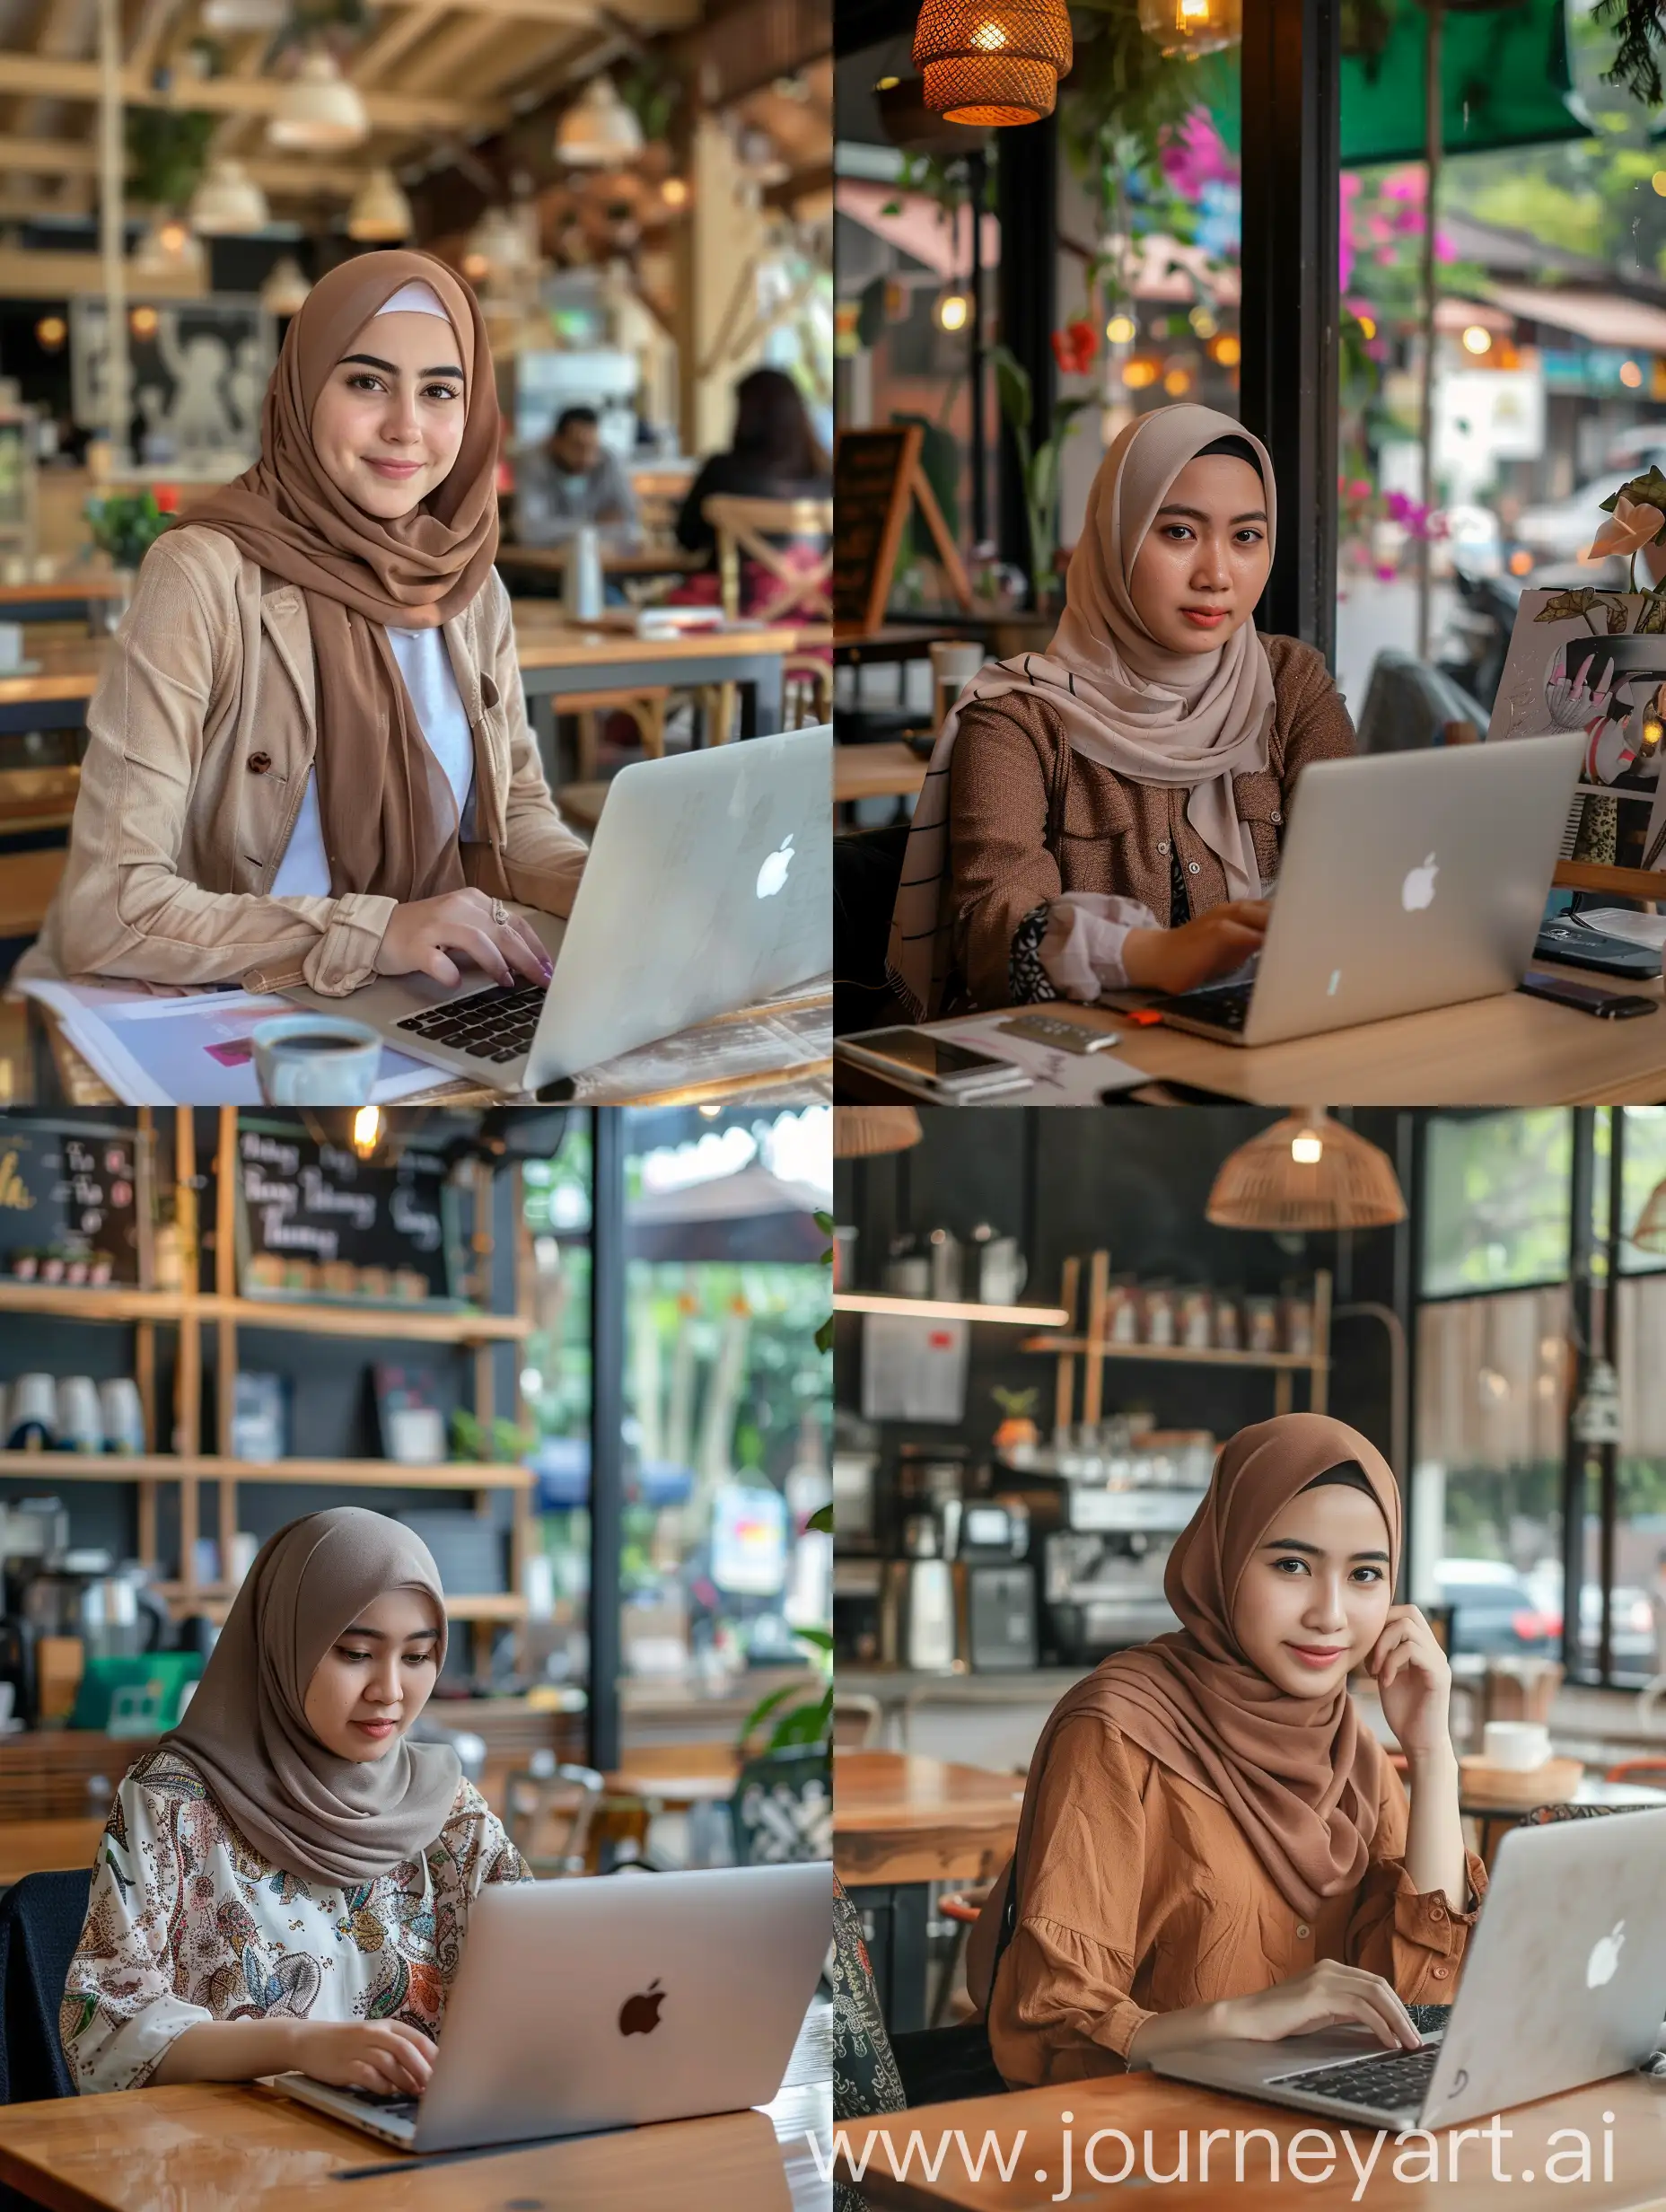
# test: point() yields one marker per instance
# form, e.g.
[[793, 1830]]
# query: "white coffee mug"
[[79, 1424], [121, 1414], [316, 1059], [32, 1417], [954, 662], [1519, 1746]]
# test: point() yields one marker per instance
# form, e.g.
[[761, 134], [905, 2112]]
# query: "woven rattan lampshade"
[[860, 1130], [1650, 1233], [1307, 1172], [990, 62]]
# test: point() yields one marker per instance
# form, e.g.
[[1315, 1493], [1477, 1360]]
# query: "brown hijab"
[[1302, 1776], [389, 818], [336, 1822]]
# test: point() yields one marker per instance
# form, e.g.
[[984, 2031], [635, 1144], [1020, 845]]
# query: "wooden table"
[[54, 693], [900, 1823], [206, 2147], [886, 770], [48, 1847], [68, 595], [899, 641], [617, 560], [1494, 1821], [1509, 1050], [1135, 2102], [677, 1775]]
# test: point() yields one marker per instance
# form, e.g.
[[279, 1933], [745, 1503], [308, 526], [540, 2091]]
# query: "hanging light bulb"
[[167, 250], [143, 322], [50, 332], [366, 1131], [598, 131], [319, 111], [227, 203], [1192, 27], [674, 192], [996, 63], [954, 309], [285, 291], [1307, 1172], [379, 211]]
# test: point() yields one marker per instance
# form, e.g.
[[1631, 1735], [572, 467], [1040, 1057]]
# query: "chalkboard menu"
[[73, 1204], [315, 1222], [872, 483]]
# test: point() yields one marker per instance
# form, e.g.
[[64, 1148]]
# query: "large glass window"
[[1497, 1200]]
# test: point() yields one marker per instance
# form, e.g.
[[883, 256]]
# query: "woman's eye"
[[443, 392], [1299, 1565], [356, 1654], [1249, 536], [1176, 531], [1371, 1573]]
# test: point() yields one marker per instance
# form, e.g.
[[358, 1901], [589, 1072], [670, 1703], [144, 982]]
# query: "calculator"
[[1046, 1029]]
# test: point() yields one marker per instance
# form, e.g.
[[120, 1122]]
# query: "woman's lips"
[[1318, 1654], [1204, 618], [377, 1727], [394, 468]]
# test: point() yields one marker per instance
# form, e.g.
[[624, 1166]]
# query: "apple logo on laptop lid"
[[640, 2014], [772, 875], [1418, 888], [1604, 1961]]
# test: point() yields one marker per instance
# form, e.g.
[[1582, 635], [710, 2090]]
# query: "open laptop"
[[708, 886], [611, 2001], [1407, 881], [1563, 1982]]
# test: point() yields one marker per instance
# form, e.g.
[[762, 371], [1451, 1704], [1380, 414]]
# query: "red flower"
[[167, 497], [1074, 347]]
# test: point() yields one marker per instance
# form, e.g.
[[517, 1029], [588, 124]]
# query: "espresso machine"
[[999, 1610]]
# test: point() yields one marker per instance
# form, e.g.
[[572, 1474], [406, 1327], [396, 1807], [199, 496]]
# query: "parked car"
[[1631, 1618], [1562, 529], [1493, 1611]]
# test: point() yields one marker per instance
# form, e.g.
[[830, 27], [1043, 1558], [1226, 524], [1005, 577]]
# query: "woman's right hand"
[[386, 2057], [1329, 1994], [1179, 960], [424, 933]]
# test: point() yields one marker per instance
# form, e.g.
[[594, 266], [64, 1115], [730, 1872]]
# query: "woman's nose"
[[400, 426], [1209, 571], [1325, 1608]]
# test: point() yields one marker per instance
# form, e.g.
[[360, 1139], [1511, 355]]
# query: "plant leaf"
[[818, 1637], [822, 1520], [1567, 606], [1652, 615], [1618, 616], [765, 1706]]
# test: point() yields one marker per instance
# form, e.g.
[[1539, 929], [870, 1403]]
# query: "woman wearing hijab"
[[309, 759], [284, 1882], [1107, 814], [1213, 1842]]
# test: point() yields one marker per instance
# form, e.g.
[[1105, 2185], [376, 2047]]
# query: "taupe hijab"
[[1190, 719], [389, 818], [1302, 1777], [331, 1820]]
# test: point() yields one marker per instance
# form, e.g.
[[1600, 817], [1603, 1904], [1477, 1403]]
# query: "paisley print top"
[[187, 1924]]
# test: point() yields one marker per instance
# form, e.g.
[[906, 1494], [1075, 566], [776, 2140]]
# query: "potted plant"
[[1039, 466], [125, 525]]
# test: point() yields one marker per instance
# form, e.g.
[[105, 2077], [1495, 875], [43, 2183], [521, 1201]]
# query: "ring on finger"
[[500, 913]]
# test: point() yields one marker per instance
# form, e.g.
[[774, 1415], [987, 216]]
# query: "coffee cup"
[[122, 1414], [1519, 1746], [31, 1416], [954, 662], [80, 1424], [316, 1059]]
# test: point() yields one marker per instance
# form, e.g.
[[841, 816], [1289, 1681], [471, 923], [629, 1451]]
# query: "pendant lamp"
[[1307, 1172], [318, 110], [285, 290], [381, 211], [228, 203], [995, 63], [861, 1131], [1192, 27], [598, 131]]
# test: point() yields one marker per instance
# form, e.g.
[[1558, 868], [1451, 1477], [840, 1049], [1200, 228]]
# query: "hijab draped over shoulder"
[[1191, 720], [389, 818], [340, 1823], [1302, 1776]]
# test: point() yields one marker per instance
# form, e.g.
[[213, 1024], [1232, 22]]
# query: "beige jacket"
[[202, 734]]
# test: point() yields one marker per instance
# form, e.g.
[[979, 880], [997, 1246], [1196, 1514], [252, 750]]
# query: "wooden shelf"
[[409, 1324], [52, 1467], [112, 1304], [1179, 1353], [215, 1601]]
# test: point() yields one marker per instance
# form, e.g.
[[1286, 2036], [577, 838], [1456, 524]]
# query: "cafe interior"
[[641, 197], [1044, 1335], [578, 1353], [1327, 225]]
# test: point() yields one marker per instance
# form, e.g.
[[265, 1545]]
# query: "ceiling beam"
[[32, 74], [66, 157]]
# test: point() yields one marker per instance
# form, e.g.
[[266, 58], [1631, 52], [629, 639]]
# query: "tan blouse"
[[1142, 1896]]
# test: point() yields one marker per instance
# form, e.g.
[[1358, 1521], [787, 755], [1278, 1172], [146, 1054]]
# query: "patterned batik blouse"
[[187, 1924]]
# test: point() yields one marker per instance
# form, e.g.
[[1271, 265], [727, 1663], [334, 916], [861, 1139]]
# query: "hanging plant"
[[1641, 27], [1124, 91], [651, 94], [167, 151]]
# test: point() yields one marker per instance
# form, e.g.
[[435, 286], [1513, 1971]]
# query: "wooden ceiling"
[[438, 77]]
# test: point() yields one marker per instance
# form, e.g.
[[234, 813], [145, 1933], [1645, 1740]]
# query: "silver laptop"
[[1407, 881], [610, 2001], [1565, 1982], [709, 886]]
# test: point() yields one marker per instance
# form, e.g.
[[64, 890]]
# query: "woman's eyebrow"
[[1314, 1551], [370, 361], [1196, 514], [380, 1636]]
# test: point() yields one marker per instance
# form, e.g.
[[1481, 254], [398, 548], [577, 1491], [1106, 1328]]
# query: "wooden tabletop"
[[66, 585], [69, 665], [545, 639], [47, 1846], [617, 560], [677, 1774], [890, 771], [1040, 2119], [1508, 1051], [898, 1816], [897, 641], [204, 2146]]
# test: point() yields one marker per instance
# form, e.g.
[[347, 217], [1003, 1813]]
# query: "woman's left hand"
[[1413, 1683]]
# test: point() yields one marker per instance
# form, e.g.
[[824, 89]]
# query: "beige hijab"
[[335, 1822], [1195, 720], [1302, 1776], [389, 818]]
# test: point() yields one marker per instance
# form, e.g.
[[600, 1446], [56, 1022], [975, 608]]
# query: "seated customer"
[[284, 1882], [774, 454], [1107, 814], [574, 479], [1213, 1842], [308, 758]]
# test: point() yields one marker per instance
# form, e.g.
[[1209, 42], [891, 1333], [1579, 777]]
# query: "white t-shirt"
[[426, 667]]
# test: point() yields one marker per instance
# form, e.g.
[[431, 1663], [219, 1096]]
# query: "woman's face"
[[376, 1677], [1202, 565], [389, 419], [1314, 1598]]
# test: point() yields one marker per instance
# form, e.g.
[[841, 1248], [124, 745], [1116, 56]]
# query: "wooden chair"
[[645, 708], [548, 1789], [752, 530], [855, 1721]]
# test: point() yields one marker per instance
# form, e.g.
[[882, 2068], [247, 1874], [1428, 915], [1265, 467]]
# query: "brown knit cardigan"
[[1030, 818]]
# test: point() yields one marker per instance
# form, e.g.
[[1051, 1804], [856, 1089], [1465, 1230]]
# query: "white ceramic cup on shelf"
[[1519, 1746], [79, 1422], [31, 1416]]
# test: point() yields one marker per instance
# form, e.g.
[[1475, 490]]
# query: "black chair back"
[[41, 1919], [867, 867]]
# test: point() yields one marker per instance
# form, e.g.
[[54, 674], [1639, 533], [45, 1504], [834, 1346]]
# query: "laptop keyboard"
[[495, 1024], [1226, 1009], [1397, 2082]]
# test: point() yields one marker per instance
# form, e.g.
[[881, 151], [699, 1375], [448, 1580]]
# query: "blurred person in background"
[[773, 453], [572, 479]]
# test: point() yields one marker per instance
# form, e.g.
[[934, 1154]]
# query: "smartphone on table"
[[956, 1072], [1585, 997]]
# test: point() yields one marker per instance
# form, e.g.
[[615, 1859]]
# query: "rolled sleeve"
[[1081, 946], [1413, 1938]]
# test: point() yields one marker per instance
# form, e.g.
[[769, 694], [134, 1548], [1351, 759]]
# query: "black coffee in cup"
[[318, 1040]]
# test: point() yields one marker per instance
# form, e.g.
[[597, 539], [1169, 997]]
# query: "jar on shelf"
[[1161, 1315], [1299, 1320], [1261, 1324], [1196, 1319]]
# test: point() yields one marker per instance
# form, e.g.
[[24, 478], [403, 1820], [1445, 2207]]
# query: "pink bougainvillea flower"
[[1630, 528]]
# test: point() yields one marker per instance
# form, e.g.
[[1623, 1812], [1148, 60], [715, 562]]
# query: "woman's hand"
[[1329, 1994], [1180, 960], [1415, 1684], [425, 932], [382, 2056]]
